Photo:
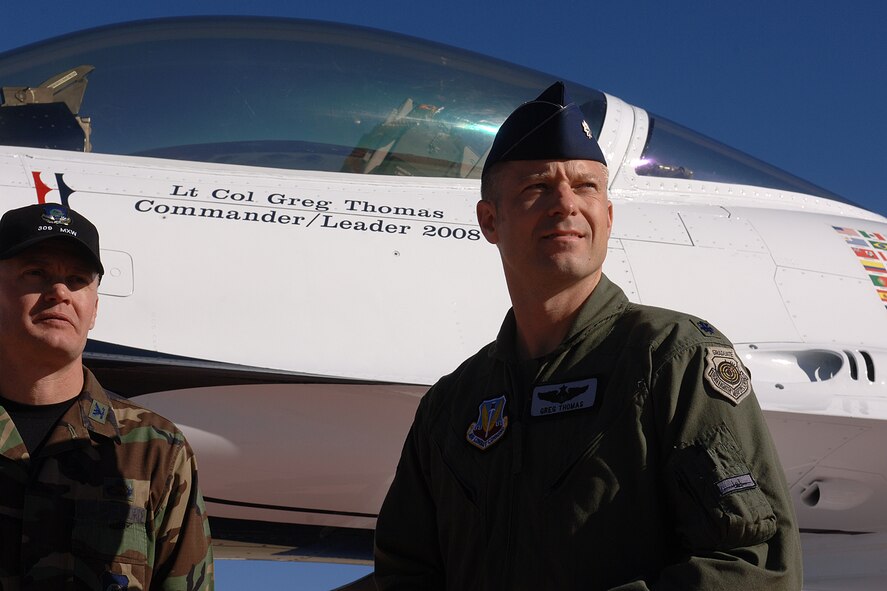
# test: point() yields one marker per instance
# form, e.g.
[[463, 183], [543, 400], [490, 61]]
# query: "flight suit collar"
[[606, 301], [594, 319]]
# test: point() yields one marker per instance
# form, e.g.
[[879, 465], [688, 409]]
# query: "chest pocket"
[[584, 450], [111, 531]]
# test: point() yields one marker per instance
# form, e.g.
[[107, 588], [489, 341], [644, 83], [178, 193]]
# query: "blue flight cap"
[[548, 128]]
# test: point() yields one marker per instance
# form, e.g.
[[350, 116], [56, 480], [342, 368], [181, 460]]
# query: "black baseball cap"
[[551, 127], [26, 226]]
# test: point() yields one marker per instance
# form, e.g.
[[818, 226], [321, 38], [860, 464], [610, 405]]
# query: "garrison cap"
[[26, 226], [548, 128]]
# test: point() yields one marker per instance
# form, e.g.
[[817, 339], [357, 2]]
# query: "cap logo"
[[54, 214], [587, 130]]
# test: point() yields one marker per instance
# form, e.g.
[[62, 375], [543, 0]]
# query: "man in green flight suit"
[[597, 443], [95, 491]]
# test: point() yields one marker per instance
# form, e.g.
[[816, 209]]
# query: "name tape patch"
[[552, 399], [736, 484]]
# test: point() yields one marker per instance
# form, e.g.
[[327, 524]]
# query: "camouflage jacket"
[[112, 503]]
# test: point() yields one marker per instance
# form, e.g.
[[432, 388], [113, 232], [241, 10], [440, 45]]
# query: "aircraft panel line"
[[291, 509]]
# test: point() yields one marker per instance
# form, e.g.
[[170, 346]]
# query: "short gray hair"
[[489, 183]]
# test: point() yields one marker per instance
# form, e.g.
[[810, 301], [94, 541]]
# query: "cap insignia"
[[587, 130], [55, 214]]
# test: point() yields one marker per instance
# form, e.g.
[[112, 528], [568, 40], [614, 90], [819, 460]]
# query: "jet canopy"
[[295, 94]]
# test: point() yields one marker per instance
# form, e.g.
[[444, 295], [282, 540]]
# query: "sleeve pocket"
[[717, 501]]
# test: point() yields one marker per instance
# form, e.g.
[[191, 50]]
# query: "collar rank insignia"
[[552, 399], [56, 214], [705, 328], [98, 412], [490, 425], [726, 374]]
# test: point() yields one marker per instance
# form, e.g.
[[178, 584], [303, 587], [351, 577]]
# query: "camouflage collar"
[[11, 444], [92, 415], [96, 412]]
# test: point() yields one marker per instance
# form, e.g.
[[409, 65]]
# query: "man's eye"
[[79, 280]]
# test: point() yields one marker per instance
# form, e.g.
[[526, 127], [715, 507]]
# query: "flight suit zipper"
[[522, 377]]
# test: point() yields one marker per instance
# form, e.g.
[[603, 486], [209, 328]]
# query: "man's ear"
[[486, 219], [95, 313]]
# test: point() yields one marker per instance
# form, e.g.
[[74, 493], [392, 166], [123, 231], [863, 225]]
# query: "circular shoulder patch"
[[725, 374]]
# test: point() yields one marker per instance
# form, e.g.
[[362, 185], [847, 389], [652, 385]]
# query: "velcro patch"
[[137, 515], [118, 489], [109, 512], [552, 399], [726, 374], [736, 484]]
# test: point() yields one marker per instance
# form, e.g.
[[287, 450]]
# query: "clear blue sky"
[[800, 85]]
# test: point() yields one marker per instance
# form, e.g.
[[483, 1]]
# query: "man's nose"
[[57, 290], [563, 200]]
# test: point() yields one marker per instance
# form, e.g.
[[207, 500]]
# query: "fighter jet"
[[292, 258]]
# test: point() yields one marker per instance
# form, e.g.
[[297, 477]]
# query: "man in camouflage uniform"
[[95, 492], [597, 443]]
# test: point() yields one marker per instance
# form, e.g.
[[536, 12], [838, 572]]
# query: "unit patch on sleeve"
[[490, 425], [725, 374], [551, 399]]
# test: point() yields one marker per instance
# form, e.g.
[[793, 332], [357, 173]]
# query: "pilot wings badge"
[[551, 399], [490, 425]]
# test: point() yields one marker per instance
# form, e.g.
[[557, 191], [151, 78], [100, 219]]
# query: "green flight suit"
[[111, 504], [635, 456]]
